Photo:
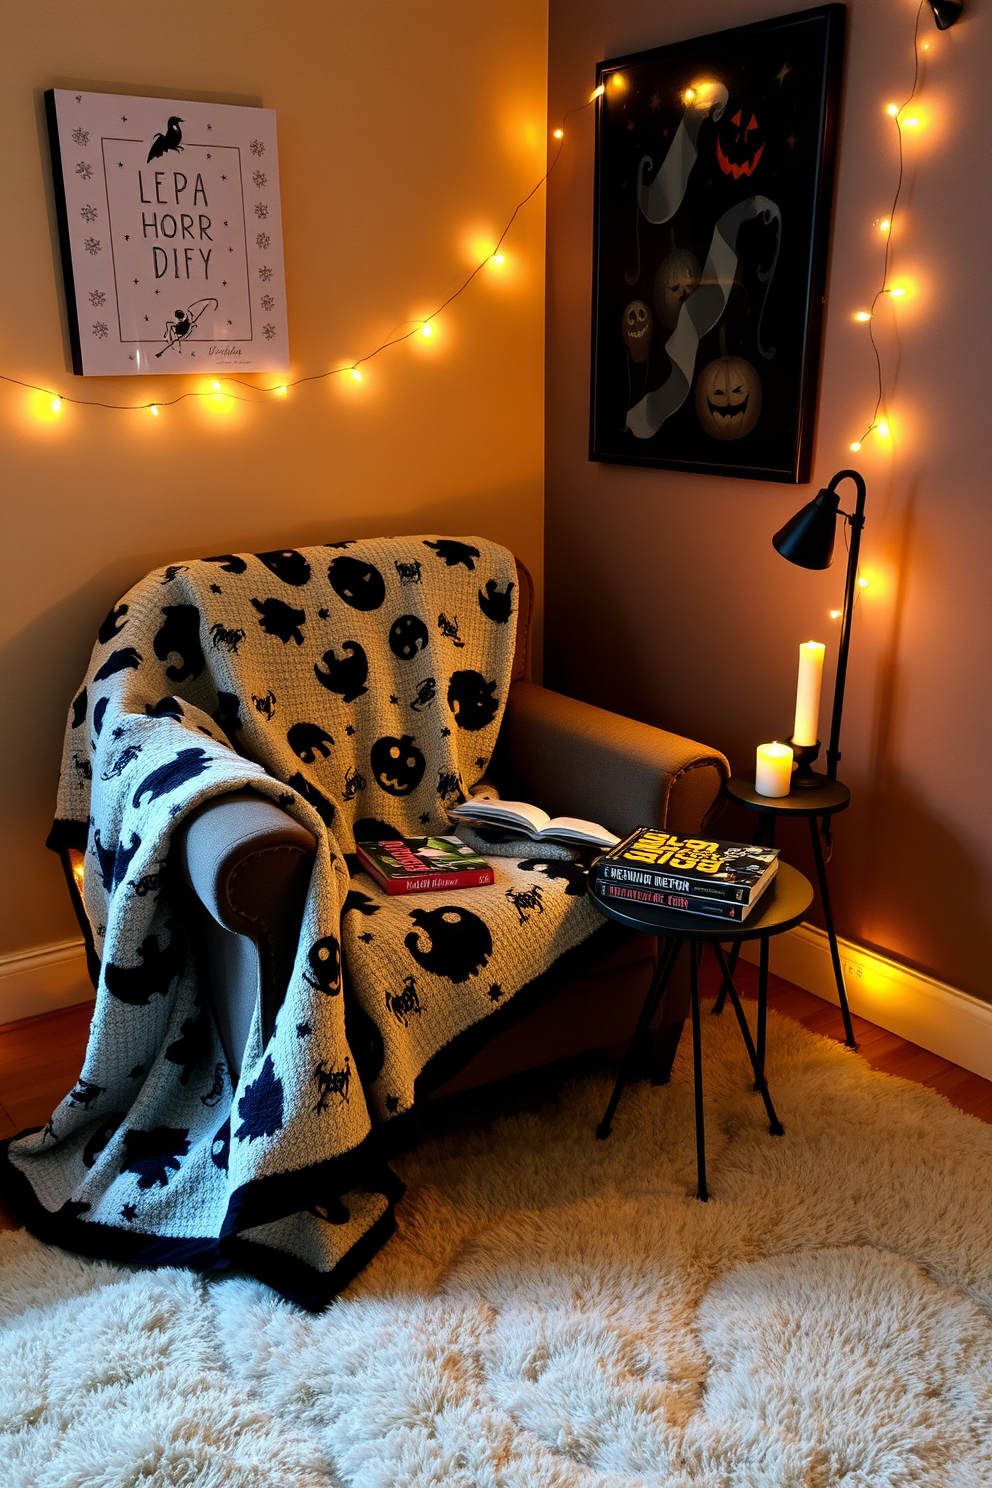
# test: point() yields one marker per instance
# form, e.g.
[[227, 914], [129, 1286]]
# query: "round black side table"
[[822, 801], [781, 907]]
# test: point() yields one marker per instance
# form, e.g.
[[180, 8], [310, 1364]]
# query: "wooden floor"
[[40, 1057]]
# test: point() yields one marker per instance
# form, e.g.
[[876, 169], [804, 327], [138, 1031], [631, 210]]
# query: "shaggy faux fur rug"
[[557, 1312]]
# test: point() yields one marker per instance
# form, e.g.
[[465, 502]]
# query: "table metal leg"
[[721, 1000], [774, 1125], [654, 995], [762, 999], [697, 1074], [821, 874]]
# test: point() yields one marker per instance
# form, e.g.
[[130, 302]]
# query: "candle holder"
[[804, 777]]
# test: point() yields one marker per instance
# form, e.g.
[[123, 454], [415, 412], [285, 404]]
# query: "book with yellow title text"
[[698, 868]]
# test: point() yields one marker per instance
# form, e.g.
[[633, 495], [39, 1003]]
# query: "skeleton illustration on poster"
[[171, 235], [714, 171]]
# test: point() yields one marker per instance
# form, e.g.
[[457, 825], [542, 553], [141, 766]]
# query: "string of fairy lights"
[[422, 327], [901, 114], [903, 118]]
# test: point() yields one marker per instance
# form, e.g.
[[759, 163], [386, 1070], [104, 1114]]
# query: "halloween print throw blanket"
[[360, 687]]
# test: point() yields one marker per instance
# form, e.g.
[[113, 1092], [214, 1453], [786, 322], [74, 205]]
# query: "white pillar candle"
[[773, 770], [808, 693]]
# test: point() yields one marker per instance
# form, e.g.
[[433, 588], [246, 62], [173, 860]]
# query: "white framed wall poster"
[[171, 234]]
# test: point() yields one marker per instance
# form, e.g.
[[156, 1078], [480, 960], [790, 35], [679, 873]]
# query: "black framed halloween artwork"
[[714, 175]]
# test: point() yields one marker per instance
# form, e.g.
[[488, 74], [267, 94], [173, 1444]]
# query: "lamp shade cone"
[[945, 12], [807, 539]]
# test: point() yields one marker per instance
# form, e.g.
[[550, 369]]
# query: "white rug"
[[558, 1312]]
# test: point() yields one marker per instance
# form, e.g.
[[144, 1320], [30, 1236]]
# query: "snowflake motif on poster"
[[101, 330], [265, 273], [97, 299], [259, 178], [256, 147], [268, 330], [88, 213], [261, 209], [262, 240], [92, 246], [84, 171], [81, 137], [267, 302]]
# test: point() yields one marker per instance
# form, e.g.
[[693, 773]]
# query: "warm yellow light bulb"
[[498, 259], [863, 315], [216, 387], [425, 330], [863, 583], [835, 614], [883, 429], [282, 391], [559, 134], [56, 405], [909, 123], [893, 110], [153, 410], [617, 80], [884, 225], [356, 374], [856, 446], [598, 92], [896, 293]]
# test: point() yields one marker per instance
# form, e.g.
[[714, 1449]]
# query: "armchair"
[[246, 865]]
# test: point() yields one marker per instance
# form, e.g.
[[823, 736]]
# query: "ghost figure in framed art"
[[713, 180]]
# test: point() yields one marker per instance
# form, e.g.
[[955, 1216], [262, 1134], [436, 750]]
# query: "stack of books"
[[698, 876]]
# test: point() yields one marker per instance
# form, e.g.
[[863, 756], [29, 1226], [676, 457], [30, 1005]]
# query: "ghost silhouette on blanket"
[[280, 620], [159, 968], [472, 701], [458, 944], [345, 675], [180, 636], [288, 565], [307, 740]]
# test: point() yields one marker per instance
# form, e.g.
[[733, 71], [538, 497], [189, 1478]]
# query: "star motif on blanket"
[[367, 938], [445, 732], [425, 818], [482, 762], [393, 698], [129, 1212], [392, 1103], [303, 1030], [324, 614], [495, 992], [216, 589], [350, 729]]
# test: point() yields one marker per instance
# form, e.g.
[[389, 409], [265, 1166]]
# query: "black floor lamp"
[[807, 539]]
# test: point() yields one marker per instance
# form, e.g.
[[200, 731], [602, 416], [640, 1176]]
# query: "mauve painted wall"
[[665, 598]]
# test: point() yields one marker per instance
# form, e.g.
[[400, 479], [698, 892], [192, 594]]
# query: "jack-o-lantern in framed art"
[[714, 173]]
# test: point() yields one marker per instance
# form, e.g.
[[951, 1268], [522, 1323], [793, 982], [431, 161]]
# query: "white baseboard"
[[33, 982], [917, 1007]]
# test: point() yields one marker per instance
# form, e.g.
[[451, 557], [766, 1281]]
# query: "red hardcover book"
[[421, 865]]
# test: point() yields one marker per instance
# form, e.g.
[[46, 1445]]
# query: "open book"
[[531, 821]]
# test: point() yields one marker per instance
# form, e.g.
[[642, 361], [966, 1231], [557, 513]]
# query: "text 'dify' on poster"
[[171, 234]]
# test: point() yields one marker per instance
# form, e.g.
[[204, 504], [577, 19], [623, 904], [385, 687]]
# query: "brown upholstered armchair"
[[248, 864]]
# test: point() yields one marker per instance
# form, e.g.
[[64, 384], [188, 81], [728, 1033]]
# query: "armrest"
[[574, 759], [248, 865]]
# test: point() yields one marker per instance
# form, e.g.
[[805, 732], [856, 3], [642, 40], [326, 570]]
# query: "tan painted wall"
[[405, 132], [665, 597]]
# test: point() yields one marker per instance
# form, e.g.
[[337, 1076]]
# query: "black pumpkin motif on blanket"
[[155, 1155], [287, 564], [496, 603], [407, 636], [397, 764], [451, 942], [324, 960], [472, 700], [359, 584]]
